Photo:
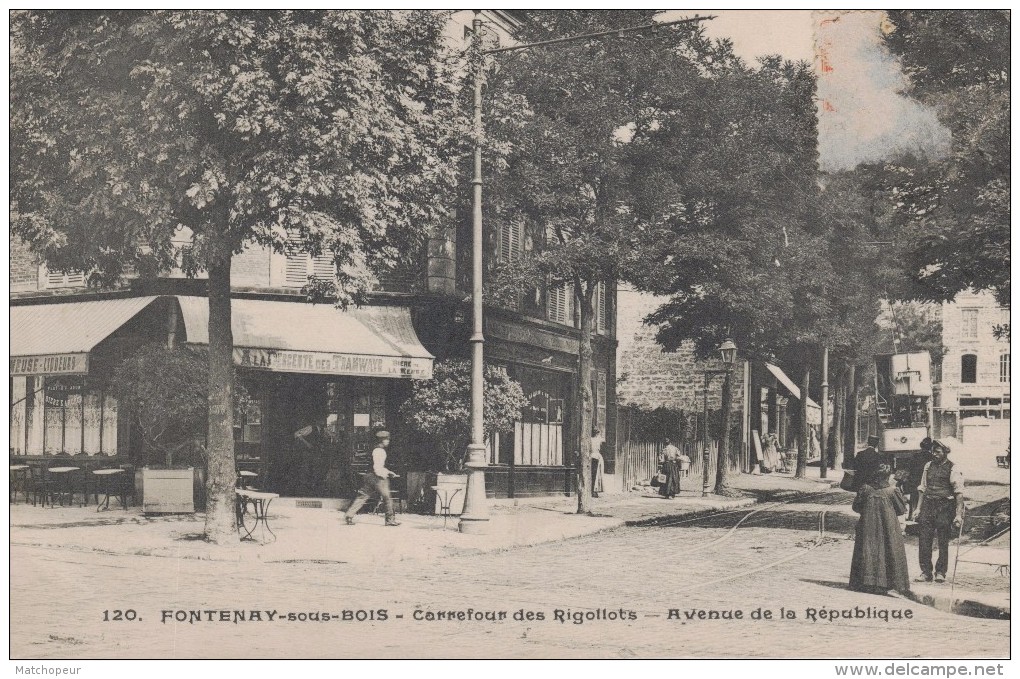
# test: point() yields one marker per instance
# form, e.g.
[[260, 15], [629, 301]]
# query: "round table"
[[108, 481]]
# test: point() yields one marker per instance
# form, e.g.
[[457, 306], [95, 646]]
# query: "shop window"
[[1004, 368], [538, 438], [248, 421], [969, 323], [968, 369], [61, 415]]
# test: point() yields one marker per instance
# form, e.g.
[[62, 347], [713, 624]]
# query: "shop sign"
[[51, 364], [325, 363], [58, 390]]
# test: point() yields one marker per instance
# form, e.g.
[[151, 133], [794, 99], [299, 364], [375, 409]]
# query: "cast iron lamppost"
[[728, 353], [475, 516]]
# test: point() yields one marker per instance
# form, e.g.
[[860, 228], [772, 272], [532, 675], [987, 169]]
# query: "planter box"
[[452, 488], [168, 491]]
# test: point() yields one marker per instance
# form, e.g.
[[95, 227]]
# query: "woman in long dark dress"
[[671, 468], [880, 559]]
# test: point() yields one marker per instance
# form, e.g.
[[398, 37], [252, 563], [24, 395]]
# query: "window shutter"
[[323, 268], [300, 265], [62, 279], [510, 238], [601, 308]]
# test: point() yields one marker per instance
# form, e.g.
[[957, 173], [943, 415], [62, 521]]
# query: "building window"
[[300, 266], [561, 303], [510, 241], [51, 415], [969, 323], [539, 435], [1004, 368], [968, 369]]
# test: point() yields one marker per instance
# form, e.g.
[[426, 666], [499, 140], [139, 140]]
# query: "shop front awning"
[[789, 384], [298, 337], [55, 339]]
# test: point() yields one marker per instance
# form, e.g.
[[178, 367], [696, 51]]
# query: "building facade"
[[972, 390], [319, 381]]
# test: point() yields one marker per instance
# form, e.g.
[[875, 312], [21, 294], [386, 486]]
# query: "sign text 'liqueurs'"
[[51, 364]]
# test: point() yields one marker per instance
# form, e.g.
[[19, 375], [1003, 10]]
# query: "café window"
[[1004, 368], [968, 369], [53, 415], [247, 427]]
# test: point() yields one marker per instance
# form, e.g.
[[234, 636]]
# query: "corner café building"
[[336, 376]]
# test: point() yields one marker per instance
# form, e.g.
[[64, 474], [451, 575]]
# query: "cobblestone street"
[[604, 595]]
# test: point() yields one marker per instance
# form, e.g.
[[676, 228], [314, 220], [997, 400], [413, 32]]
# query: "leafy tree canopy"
[[334, 127], [955, 212]]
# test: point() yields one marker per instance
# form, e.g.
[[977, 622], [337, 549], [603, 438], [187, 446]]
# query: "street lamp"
[[728, 354], [475, 517]]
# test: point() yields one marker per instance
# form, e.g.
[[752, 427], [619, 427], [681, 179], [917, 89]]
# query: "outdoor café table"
[[63, 483], [19, 480], [107, 483], [445, 496], [253, 508]]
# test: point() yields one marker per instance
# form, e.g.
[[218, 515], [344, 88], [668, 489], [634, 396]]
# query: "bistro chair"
[[39, 485]]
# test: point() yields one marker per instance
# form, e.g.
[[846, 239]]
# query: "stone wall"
[[649, 377], [24, 273]]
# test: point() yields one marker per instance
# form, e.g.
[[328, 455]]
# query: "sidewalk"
[[314, 534]]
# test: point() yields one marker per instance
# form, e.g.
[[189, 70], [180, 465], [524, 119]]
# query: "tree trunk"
[[803, 440], [220, 526], [584, 302], [838, 407], [850, 433], [723, 456]]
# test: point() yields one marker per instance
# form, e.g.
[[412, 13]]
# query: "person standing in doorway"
[[940, 511], [376, 482]]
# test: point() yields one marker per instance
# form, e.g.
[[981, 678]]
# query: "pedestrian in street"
[[939, 512], [880, 559], [376, 482], [867, 464], [916, 469], [670, 466], [598, 463]]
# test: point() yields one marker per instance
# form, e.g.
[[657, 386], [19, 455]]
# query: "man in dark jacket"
[[940, 512]]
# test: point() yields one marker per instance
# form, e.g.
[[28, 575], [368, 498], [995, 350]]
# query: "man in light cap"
[[377, 481], [939, 512]]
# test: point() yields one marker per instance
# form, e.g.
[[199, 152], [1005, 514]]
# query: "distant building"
[[972, 396]]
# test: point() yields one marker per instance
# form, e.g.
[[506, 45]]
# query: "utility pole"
[[475, 517]]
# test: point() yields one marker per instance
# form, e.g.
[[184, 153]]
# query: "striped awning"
[[298, 337], [55, 339]]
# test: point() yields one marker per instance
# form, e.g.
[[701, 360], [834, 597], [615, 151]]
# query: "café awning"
[[794, 390], [297, 337], [55, 339]]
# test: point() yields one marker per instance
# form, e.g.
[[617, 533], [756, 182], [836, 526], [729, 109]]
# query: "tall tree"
[[573, 126], [334, 127], [956, 211]]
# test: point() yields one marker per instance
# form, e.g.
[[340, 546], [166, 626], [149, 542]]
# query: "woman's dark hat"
[[872, 440]]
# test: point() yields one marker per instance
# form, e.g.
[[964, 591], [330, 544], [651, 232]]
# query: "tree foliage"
[[164, 389], [332, 126], [440, 407], [955, 212]]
